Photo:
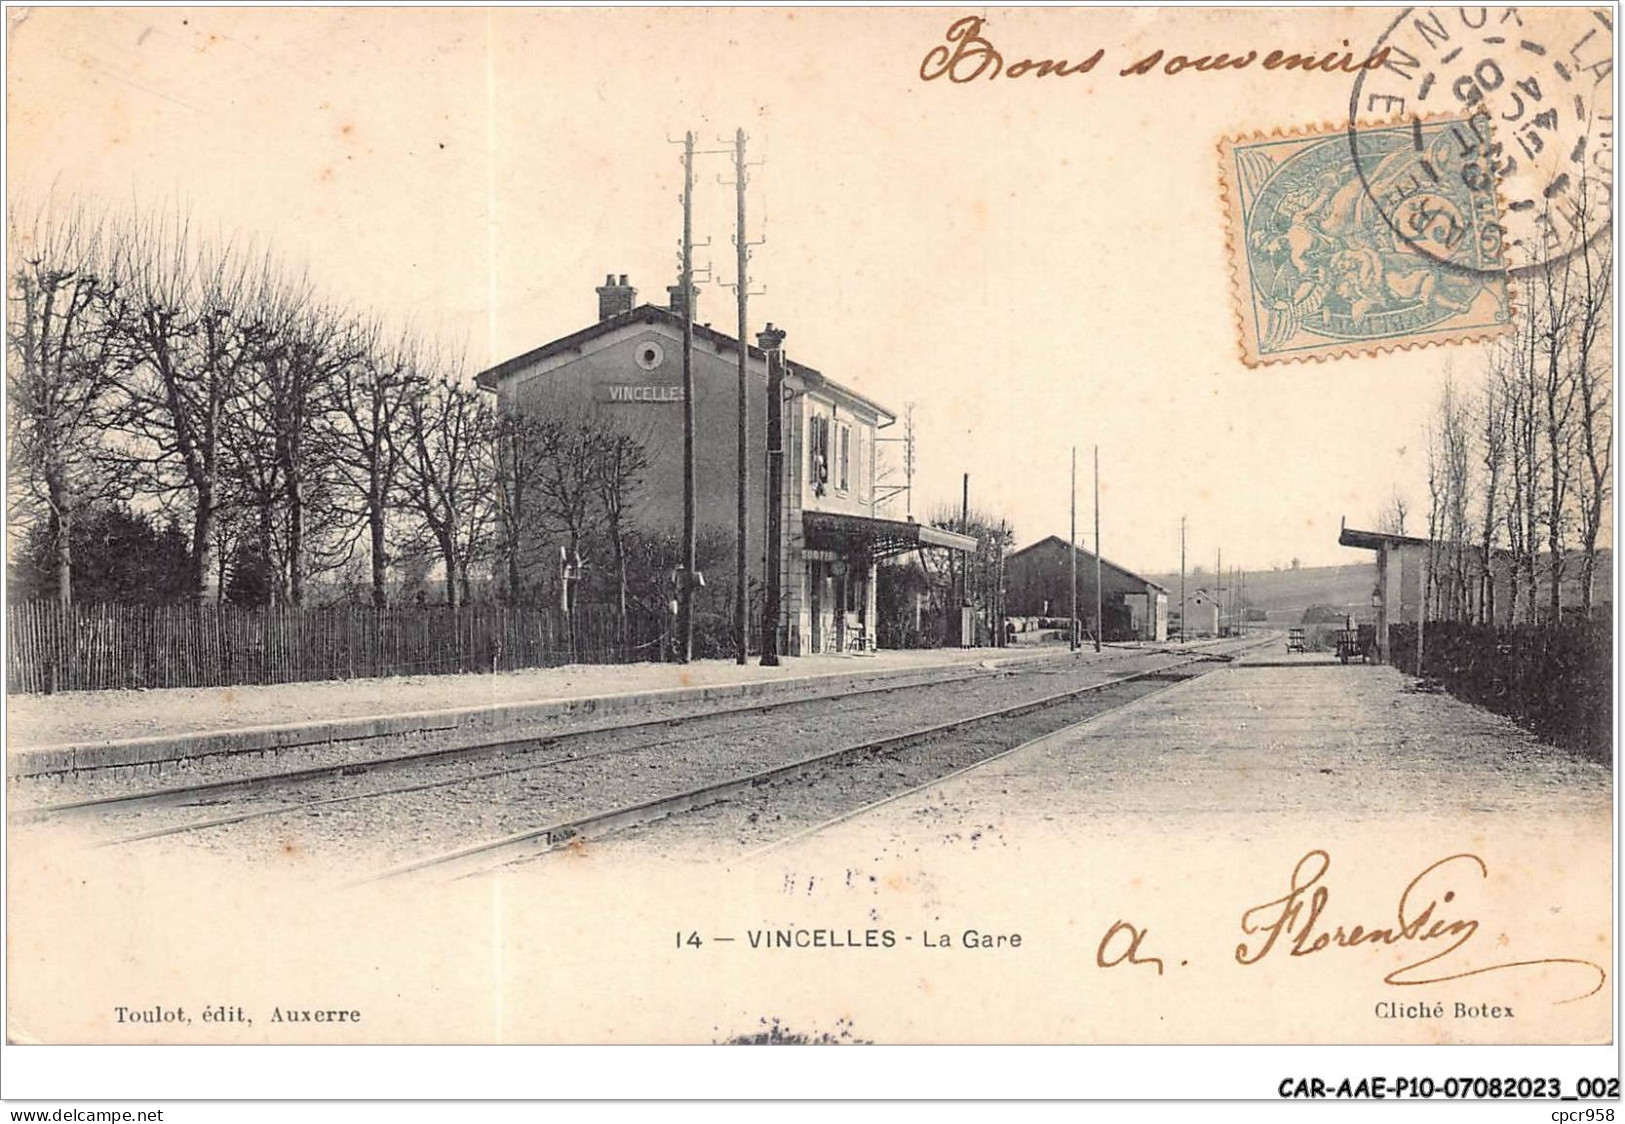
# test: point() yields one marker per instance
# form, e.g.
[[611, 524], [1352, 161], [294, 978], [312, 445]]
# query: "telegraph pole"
[[1422, 616], [964, 570], [771, 341], [908, 460], [1181, 579], [998, 601], [741, 293], [1072, 549], [1218, 587], [1100, 621], [906, 489], [685, 594]]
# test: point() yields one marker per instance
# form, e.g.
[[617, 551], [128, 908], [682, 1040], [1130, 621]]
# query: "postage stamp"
[[1357, 240]]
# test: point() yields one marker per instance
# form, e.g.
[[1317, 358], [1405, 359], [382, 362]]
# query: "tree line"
[[975, 578], [280, 438], [1520, 470]]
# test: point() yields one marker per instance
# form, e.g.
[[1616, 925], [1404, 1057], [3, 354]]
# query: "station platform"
[[1273, 739], [1146, 858], [92, 730]]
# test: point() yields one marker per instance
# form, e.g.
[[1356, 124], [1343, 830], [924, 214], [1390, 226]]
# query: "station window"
[[845, 477], [818, 452]]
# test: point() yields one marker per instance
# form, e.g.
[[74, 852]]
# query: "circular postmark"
[[1530, 95]]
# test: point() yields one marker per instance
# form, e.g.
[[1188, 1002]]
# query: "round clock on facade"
[[650, 355]]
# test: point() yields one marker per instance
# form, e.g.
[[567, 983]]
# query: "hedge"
[[1556, 681]]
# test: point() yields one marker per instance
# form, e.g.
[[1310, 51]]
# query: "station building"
[[626, 369], [1037, 579]]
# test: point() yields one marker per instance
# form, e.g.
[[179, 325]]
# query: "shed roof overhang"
[[878, 538], [1375, 540]]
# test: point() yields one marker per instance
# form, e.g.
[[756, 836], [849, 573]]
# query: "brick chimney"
[[615, 297], [771, 338], [675, 295]]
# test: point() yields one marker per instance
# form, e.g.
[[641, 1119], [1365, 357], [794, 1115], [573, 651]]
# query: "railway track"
[[178, 795], [1090, 701], [643, 770]]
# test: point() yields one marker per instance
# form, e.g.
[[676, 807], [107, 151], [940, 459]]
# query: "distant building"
[[1037, 579], [1205, 614], [626, 369]]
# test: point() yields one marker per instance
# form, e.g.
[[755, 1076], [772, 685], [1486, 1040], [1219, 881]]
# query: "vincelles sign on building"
[[654, 394]]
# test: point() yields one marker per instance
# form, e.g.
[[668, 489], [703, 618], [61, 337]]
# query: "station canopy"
[[1375, 540], [878, 538]]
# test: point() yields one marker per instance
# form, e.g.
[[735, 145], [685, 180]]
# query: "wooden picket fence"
[[112, 647]]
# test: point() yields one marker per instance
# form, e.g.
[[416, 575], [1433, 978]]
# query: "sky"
[[1035, 263]]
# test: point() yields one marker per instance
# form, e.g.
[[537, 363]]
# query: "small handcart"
[[1357, 643]]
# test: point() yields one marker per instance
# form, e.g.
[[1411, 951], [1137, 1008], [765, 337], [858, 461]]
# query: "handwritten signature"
[[1296, 921]]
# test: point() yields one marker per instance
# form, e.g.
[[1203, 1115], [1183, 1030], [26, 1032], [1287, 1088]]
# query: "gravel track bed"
[[390, 828], [29, 792], [776, 812]]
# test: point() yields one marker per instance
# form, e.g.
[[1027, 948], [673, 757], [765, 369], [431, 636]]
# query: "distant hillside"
[[1285, 592], [1278, 591]]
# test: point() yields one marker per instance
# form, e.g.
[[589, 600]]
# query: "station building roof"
[[811, 378]]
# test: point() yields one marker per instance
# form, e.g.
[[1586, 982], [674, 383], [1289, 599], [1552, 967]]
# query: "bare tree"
[[1492, 447], [1438, 504], [1520, 392], [310, 350], [1454, 432], [520, 442], [622, 461], [978, 572], [187, 344], [246, 523], [367, 397], [1554, 308], [1544, 424], [65, 305], [567, 484], [252, 485], [448, 472], [1448, 498], [1392, 519], [1593, 381], [1514, 507]]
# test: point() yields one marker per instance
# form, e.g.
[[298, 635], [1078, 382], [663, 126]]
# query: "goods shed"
[[1036, 581]]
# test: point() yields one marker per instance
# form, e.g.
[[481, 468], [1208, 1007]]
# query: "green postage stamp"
[[1359, 239]]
